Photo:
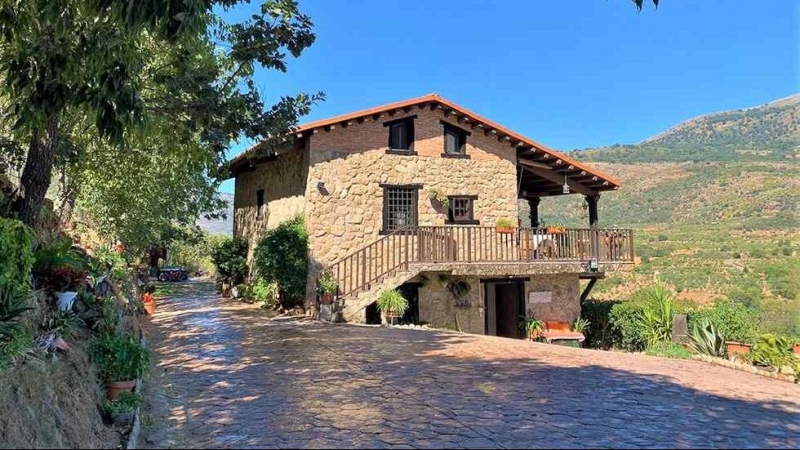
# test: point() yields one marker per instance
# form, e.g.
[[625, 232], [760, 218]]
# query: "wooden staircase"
[[390, 261]]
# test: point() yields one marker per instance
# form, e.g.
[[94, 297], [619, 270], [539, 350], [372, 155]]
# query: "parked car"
[[172, 274]]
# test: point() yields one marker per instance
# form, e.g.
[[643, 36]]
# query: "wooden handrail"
[[393, 252]]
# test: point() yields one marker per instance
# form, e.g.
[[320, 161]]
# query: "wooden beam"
[[534, 164], [550, 176]]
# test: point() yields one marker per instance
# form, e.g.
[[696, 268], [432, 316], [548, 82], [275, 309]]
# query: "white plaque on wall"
[[540, 297]]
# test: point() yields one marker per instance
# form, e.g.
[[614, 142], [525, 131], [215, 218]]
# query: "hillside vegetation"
[[714, 203]]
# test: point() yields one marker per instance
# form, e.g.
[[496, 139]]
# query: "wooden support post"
[[593, 219], [534, 205]]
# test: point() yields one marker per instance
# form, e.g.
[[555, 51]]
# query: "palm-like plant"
[[532, 326], [13, 303], [581, 325], [706, 340], [656, 320]]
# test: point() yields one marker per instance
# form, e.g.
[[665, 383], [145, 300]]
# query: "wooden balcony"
[[431, 245]]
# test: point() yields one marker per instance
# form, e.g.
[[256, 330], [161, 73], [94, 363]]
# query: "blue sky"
[[570, 74]]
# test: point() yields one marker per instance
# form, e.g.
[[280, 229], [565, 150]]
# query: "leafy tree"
[[120, 84]]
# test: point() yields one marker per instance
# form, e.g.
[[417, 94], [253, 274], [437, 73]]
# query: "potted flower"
[[581, 325], [327, 288], [796, 349], [392, 304], [121, 361], [122, 408], [439, 197], [533, 327], [557, 228], [504, 225]]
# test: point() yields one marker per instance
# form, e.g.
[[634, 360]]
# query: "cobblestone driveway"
[[227, 376]]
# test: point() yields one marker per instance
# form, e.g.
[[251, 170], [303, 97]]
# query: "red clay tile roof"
[[445, 103]]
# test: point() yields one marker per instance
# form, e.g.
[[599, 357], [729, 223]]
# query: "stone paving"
[[228, 376]]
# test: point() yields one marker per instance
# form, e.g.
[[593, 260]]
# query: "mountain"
[[769, 132], [713, 201], [220, 226]]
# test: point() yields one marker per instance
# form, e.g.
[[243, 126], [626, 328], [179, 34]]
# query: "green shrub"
[[16, 258], [600, 334], [119, 358], [772, 351], [732, 320], [625, 322], [264, 294], [669, 350], [778, 316], [282, 257], [126, 402], [230, 260]]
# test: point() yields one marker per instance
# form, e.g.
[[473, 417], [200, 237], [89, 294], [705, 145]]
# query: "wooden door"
[[507, 309]]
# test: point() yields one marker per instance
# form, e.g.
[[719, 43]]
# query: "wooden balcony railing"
[[470, 244]]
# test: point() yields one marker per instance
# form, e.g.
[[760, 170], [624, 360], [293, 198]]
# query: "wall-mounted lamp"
[[593, 265], [320, 185]]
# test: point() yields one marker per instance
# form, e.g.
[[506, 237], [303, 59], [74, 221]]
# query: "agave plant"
[[706, 340]]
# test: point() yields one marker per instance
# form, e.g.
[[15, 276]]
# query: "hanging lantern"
[[565, 188]]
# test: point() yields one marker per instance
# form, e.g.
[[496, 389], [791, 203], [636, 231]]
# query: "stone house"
[[407, 195]]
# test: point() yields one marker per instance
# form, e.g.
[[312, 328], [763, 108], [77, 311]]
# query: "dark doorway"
[[504, 306], [410, 291], [373, 314]]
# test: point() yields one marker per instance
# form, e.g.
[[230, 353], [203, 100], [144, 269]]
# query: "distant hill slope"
[[767, 132], [714, 202], [220, 226]]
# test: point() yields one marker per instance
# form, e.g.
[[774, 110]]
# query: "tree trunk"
[[36, 175]]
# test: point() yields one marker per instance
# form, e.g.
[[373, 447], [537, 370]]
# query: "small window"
[[401, 134], [462, 209], [455, 140], [260, 204], [399, 207]]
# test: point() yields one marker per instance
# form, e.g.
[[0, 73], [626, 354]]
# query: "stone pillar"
[[534, 206]]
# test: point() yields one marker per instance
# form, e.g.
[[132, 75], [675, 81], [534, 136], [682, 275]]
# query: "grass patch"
[[669, 350]]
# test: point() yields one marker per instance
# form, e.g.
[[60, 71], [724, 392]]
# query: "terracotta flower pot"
[[737, 348], [556, 230], [326, 299], [117, 387], [150, 308], [796, 349], [505, 230]]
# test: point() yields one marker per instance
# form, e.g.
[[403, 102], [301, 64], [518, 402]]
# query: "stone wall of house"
[[352, 163], [438, 306], [565, 305], [284, 183]]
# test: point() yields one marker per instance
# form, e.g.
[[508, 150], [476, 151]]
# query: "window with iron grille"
[[260, 204], [400, 207], [462, 209]]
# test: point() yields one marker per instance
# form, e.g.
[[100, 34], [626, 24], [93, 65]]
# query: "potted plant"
[[533, 327], [392, 304], [122, 409], [327, 288], [557, 228], [504, 225], [796, 348], [581, 325], [438, 197], [121, 361], [67, 281]]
